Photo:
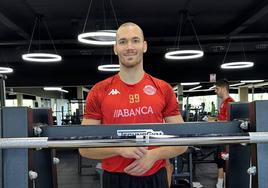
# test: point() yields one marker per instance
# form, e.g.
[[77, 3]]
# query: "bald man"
[[130, 97]]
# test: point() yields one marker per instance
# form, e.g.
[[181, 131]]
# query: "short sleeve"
[[93, 105], [224, 111], [171, 104]]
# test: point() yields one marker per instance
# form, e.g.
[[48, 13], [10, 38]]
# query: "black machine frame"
[[19, 122]]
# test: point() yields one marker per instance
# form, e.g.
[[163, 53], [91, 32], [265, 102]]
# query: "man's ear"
[[115, 51], [144, 46]]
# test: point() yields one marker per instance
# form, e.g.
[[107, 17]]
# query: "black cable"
[[89, 7]]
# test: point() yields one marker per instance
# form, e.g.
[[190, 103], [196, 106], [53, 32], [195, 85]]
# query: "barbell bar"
[[128, 141]]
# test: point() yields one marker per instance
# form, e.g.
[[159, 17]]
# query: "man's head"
[[130, 45], [222, 88]]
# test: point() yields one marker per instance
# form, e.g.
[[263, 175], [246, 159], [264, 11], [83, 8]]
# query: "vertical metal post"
[[2, 90], [17, 122], [187, 109], [180, 96], [239, 155], [259, 152], [62, 114], [1, 157], [80, 97], [43, 158]]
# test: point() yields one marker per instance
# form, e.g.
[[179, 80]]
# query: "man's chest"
[[144, 100]]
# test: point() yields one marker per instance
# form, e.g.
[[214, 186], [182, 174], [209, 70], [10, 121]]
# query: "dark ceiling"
[[216, 22]]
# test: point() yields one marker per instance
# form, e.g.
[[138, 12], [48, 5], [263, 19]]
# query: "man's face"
[[130, 46], [219, 91]]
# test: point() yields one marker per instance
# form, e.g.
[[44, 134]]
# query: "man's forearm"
[[159, 153], [102, 153], [98, 153], [167, 152]]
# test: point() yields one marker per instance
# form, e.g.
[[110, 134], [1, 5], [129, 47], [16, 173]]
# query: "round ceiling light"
[[41, 57], [109, 67], [103, 38], [237, 65], [5, 70], [184, 54]]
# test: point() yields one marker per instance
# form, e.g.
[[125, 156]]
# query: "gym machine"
[[21, 138]]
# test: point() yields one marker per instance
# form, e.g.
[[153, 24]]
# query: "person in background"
[[130, 97], [213, 109], [222, 91]]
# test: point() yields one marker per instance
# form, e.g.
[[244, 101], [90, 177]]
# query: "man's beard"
[[130, 65]]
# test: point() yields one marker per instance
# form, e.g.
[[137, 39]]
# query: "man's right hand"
[[132, 152]]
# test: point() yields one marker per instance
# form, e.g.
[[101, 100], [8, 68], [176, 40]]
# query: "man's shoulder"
[[104, 84], [158, 82], [230, 99]]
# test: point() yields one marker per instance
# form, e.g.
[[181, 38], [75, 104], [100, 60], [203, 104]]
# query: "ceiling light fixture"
[[190, 83], [109, 67], [184, 54], [195, 88], [5, 70], [102, 37], [179, 54], [251, 81], [238, 84], [212, 87], [55, 89], [52, 88], [237, 65], [41, 57]]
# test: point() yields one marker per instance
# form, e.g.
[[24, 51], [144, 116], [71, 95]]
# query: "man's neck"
[[225, 96], [131, 75]]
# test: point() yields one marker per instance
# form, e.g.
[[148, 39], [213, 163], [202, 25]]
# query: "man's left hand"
[[141, 166]]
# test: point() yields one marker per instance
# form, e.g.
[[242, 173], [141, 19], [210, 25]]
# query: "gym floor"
[[68, 176]]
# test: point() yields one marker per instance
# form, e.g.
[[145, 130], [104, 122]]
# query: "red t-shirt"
[[223, 114], [114, 102]]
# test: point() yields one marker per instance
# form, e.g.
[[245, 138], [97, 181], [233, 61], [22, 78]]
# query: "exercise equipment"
[[17, 130], [133, 141]]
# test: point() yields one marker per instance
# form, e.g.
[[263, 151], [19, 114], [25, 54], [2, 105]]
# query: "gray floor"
[[206, 174], [68, 176]]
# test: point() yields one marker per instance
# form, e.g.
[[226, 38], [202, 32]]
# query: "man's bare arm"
[[141, 166], [170, 151], [102, 153]]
